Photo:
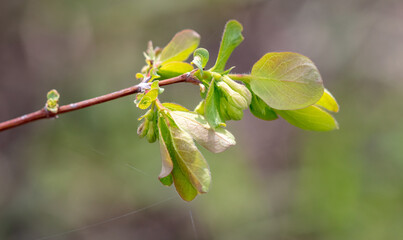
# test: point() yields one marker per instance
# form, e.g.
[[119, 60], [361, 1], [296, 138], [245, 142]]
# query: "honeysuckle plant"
[[280, 84], [284, 84]]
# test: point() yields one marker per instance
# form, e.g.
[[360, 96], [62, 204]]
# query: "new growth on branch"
[[280, 84]]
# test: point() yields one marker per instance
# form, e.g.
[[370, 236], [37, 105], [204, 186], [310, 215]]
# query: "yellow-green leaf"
[[183, 186], [310, 118], [180, 47], [190, 160], [214, 140], [286, 80], [175, 107], [328, 102], [173, 69], [148, 98]]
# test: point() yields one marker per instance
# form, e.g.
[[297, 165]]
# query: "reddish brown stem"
[[43, 113]]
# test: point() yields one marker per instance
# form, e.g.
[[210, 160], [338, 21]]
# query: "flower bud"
[[150, 115], [223, 109], [234, 112], [233, 97], [239, 88], [143, 128], [151, 134]]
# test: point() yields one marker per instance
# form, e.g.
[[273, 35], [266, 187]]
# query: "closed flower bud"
[[151, 134], [143, 128], [239, 88], [223, 109], [234, 112], [150, 115], [233, 97]]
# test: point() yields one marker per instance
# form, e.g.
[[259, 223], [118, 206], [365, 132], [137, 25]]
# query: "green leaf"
[[189, 165], [197, 126], [180, 47], [328, 102], [310, 118], [286, 80], [173, 69], [182, 183], [190, 160], [175, 107], [155, 84], [200, 58], [167, 181], [148, 98], [211, 107], [231, 38], [260, 109]]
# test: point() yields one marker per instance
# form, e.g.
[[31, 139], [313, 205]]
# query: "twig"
[[43, 113]]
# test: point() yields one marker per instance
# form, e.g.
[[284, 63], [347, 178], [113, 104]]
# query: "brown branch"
[[44, 113]]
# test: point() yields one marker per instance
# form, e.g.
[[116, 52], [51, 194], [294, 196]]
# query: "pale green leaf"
[[286, 80], [328, 102], [181, 181], [190, 160], [310, 118], [180, 47], [231, 38], [173, 69], [197, 126]]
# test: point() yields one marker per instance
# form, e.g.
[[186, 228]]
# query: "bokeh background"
[[278, 182]]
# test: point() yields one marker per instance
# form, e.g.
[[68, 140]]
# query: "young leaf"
[[286, 80], [175, 107], [328, 102], [182, 183], [200, 58], [52, 101], [310, 118], [214, 140], [190, 160], [167, 164], [261, 110], [173, 69], [148, 98], [167, 181], [180, 47], [231, 38], [211, 107], [53, 95]]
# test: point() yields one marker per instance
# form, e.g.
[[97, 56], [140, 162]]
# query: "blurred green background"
[[278, 182]]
